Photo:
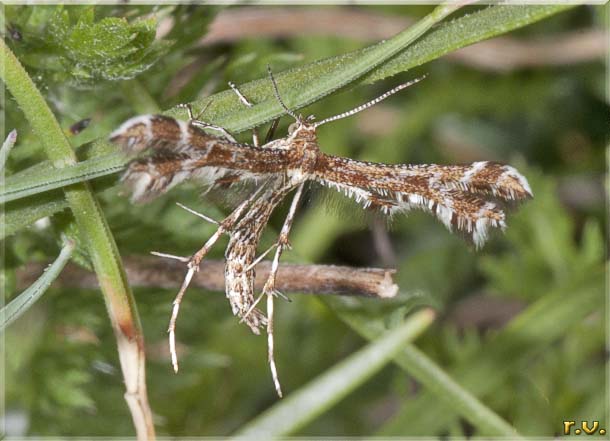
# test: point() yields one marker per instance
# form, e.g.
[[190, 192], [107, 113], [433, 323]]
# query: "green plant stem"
[[97, 237]]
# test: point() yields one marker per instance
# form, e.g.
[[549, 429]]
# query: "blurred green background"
[[535, 98]]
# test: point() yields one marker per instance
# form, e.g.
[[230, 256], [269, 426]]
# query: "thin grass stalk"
[[97, 238]]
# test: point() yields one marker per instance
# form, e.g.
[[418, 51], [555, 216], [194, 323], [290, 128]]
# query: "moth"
[[465, 198]]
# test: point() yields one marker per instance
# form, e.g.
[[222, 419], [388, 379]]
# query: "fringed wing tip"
[[518, 182], [472, 225], [134, 135]]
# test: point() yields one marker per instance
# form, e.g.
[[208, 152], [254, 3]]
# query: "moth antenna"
[[371, 103], [278, 97]]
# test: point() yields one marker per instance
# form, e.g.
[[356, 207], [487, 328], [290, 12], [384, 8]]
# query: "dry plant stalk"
[[463, 198], [150, 272]]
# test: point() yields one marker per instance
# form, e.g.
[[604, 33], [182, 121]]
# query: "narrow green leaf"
[[300, 408], [20, 186], [21, 214], [27, 298], [437, 382], [464, 31], [526, 335], [228, 112], [322, 77]]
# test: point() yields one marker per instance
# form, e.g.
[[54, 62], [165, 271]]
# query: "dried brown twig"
[[144, 271]]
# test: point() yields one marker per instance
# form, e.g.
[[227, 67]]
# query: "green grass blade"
[[226, 111], [333, 76], [96, 236], [19, 215], [298, 409], [27, 298], [525, 336], [464, 31], [436, 381], [26, 184], [439, 383]]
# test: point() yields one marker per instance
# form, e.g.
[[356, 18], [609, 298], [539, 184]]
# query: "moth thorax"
[[309, 157]]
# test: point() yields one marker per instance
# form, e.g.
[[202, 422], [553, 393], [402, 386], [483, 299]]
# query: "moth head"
[[303, 127], [305, 122]]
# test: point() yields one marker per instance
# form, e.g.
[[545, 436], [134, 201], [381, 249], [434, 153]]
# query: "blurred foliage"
[[104, 62], [68, 44]]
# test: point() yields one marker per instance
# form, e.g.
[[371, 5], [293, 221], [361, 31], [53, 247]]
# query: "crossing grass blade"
[[28, 184], [296, 410], [24, 301]]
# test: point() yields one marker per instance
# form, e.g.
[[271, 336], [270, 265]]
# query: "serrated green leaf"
[[80, 50], [145, 32], [100, 43]]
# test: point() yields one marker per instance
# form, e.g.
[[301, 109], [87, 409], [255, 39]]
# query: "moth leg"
[[195, 121], [247, 103], [189, 110], [196, 213], [204, 125], [240, 95], [250, 267], [193, 266], [282, 242], [271, 130], [269, 288], [270, 346]]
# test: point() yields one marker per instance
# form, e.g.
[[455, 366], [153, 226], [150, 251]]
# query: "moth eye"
[[292, 128]]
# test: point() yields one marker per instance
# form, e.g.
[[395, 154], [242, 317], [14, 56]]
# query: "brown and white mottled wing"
[[241, 253], [461, 197], [178, 151]]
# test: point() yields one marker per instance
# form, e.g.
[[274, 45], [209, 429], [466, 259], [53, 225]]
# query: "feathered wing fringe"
[[461, 197], [178, 150]]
